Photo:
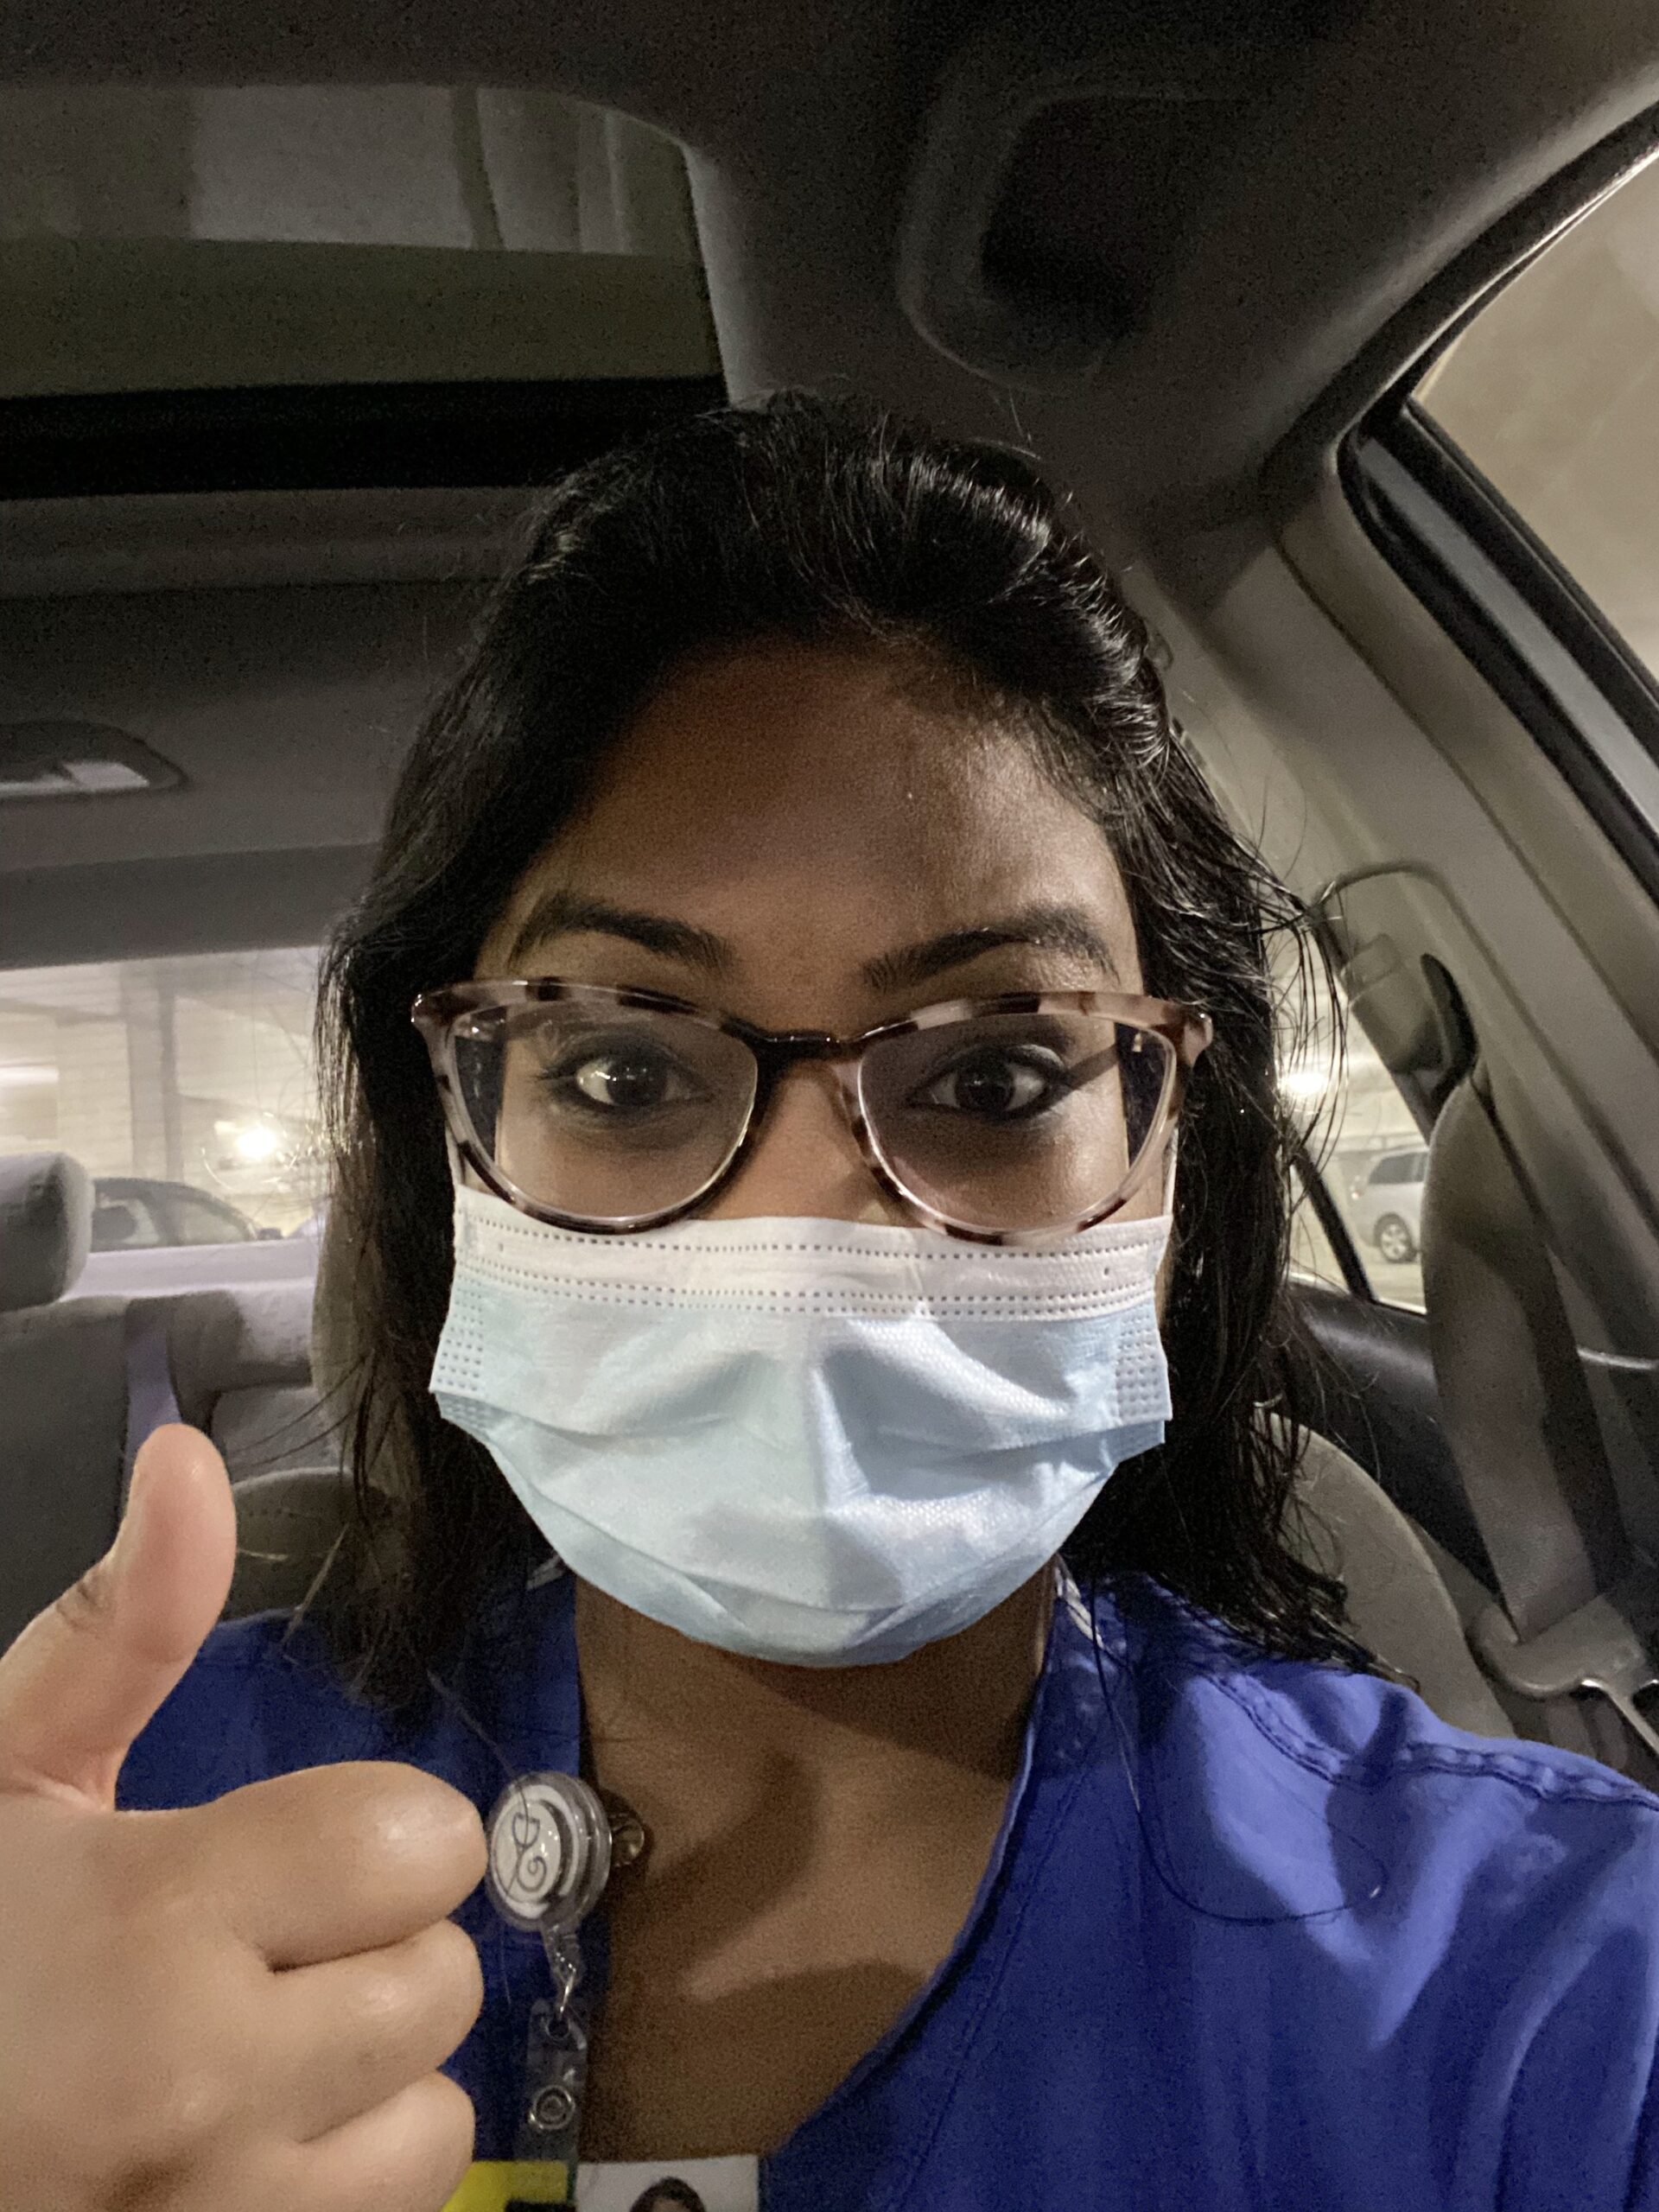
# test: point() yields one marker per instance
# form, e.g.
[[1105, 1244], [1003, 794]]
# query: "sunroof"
[[390, 165], [157, 239], [331, 437]]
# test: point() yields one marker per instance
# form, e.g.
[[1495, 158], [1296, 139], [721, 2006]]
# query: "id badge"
[[676, 2185]]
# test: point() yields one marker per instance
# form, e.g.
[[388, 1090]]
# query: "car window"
[[123, 1221], [392, 232], [1312, 1257], [392, 165], [1552, 391], [197, 1220], [193, 1072], [1364, 1146]]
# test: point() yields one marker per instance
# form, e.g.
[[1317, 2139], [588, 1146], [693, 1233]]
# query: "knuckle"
[[173, 2071], [382, 2006], [146, 2186], [190, 2106], [87, 1606], [448, 1817], [152, 1891], [404, 1817], [459, 1971], [388, 1805], [160, 2063], [421, 1996], [452, 2132], [144, 1862], [436, 2137], [177, 2111]]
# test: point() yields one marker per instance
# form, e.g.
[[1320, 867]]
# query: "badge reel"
[[552, 1848]]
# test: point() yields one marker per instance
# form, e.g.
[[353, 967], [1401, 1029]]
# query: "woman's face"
[[800, 836]]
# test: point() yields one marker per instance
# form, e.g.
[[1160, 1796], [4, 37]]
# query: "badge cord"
[[552, 1845]]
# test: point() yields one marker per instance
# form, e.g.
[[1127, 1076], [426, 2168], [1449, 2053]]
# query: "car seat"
[[82, 1380]]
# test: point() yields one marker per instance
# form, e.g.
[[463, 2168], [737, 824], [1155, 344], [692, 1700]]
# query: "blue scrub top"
[[1257, 1935]]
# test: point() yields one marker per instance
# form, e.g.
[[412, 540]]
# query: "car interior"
[[1340, 326]]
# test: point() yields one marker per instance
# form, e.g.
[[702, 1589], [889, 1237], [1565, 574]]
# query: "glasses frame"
[[434, 1014]]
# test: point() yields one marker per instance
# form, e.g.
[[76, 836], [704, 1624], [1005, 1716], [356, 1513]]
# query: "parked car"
[[132, 1212], [1386, 1204]]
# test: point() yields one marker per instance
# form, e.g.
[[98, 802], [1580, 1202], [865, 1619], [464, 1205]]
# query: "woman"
[[820, 938]]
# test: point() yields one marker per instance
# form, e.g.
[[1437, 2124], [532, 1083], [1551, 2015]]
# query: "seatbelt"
[[150, 1397], [1579, 1608]]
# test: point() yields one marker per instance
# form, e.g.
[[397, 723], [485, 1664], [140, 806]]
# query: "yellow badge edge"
[[493, 2183]]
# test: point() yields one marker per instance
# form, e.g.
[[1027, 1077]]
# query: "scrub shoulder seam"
[[1521, 1770]]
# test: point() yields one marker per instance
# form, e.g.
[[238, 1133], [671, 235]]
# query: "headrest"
[[46, 1227], [251, 1337]]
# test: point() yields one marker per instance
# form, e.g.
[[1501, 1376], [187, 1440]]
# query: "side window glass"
[[1367, 1151], [1312, 1257], [124, 1222], [1513, 486], [1552, 391], [184, 1087], [198, 1221]]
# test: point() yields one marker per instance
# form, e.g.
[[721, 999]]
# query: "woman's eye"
[[996, 1086], [624, 1080]]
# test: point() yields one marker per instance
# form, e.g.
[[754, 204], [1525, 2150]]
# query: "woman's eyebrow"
[[1060, 929], [558, 914]]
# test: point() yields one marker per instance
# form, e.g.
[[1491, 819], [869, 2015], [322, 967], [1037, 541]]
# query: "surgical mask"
[[823, 1442]]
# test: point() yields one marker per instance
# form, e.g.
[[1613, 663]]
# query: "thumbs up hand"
[[241, 2004]]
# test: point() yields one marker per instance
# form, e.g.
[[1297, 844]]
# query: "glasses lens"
[[1016, 1121], [602, 1111]]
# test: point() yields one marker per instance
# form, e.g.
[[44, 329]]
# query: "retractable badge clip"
[[552, 1848]]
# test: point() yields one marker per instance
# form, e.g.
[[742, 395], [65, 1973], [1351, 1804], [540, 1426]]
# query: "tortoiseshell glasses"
[[1011, 1119]]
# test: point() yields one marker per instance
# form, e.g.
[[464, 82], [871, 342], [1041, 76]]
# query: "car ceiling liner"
[[1003, 264], [77, 759]]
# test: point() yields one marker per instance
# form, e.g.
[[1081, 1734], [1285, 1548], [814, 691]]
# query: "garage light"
[[254, 1142], [1305, 1082]]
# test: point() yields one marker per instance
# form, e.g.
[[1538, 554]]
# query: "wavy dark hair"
[[818, 522]]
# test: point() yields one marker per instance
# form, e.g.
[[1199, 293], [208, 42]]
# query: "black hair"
[[670, 2194], [823, 523]]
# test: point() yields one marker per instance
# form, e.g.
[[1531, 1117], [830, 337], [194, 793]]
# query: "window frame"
[[143, 1211], [181, 1204], [1315, 1193], [1491, 583]]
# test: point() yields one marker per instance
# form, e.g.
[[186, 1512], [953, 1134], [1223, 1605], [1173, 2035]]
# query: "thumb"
[[85, 1676]]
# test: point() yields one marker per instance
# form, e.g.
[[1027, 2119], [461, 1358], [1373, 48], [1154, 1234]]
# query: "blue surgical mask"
[[823, 1442]]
